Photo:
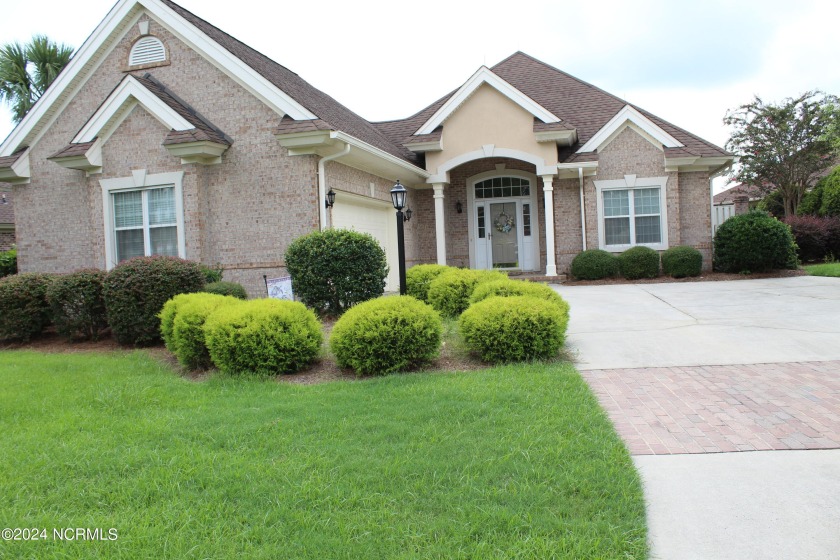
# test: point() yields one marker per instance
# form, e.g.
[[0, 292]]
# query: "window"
[[143, 216], [145, 223], [632, 212], [502, 187], [147, 50], [526, 219]]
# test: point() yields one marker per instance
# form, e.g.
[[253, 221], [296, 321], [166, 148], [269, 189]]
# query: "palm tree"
[[26, 71]]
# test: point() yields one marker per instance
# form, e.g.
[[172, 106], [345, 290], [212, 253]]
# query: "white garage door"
[[378, 218]]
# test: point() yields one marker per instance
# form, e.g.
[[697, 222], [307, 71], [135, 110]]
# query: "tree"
[[784, 146], [26, 71]]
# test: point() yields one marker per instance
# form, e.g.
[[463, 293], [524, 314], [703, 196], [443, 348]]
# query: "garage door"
[[375, 217]]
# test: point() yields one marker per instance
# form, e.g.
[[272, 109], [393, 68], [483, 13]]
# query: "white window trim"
[[631, 182], [140, 181]]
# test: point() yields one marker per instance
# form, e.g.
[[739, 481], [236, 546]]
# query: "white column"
[[548, 195], [440, 224]]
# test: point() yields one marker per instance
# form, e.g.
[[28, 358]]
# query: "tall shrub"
[[831, 194], [753, 242], [24, 310], [334, 269], [137, 289], [77, 303], [816, 237]]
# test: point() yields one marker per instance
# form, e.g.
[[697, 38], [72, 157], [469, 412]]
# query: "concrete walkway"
[[690, 373]]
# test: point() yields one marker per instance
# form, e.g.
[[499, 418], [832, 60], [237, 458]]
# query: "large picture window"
[[632, 212], [143, 216]]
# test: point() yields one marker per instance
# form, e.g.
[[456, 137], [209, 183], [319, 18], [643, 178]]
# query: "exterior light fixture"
[[328, 203], [408, 214], [4, 199], [398, 199], [458, 207]]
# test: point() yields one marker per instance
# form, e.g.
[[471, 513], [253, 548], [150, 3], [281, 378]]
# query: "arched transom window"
[[502, 187]]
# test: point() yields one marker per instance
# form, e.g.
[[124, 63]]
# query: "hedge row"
[[83, 304], [637, 262]]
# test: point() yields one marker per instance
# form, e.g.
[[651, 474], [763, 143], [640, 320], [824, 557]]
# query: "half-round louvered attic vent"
[[146, 51]]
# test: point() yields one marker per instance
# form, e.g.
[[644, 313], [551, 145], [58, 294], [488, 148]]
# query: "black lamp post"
[[398, 199]]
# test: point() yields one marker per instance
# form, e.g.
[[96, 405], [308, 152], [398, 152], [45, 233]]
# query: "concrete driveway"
[[694, 374]]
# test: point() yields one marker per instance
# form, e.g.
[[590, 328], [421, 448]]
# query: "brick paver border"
[[713, 409]]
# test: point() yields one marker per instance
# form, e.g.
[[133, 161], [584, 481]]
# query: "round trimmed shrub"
[[682, 261], [136, 289], [334, 269], [226, 289], [24, 311], [188, 340], [386, 334], [450, 292], [262, 336], [77, 304], [753, 242], [418, 278], [508, 288], [167, 318], [514, 329], [639, 262], [594, 264]]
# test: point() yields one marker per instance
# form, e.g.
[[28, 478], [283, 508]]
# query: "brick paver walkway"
[[711, 409]]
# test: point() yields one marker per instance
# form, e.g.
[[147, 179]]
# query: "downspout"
[[322, 183], [582, 209]]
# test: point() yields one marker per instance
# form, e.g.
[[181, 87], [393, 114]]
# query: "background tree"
[[784, 146], [26, 71]]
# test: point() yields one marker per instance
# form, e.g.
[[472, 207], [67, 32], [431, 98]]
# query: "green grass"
[[826, 269], [510, 462]]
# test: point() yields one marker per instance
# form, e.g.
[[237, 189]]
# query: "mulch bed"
[[705, 277]]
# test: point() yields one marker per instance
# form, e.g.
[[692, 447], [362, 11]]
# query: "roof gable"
[[485, 76], [630, 117]]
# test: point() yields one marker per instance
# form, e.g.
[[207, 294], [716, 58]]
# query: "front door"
[[498, 227]]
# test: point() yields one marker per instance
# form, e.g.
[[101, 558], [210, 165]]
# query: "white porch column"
[[440, 224], [548, 195]]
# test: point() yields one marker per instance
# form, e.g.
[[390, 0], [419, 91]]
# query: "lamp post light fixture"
[[398, 199], [328, 203]]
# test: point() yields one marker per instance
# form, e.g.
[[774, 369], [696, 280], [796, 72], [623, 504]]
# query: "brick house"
[[165, 135], [7, 221]]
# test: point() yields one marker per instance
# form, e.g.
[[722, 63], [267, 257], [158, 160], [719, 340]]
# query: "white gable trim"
[[485, 76], [99, 45], [629, 115], [119, 104]]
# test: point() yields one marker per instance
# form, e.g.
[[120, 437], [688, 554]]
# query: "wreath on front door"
[[504, 223]]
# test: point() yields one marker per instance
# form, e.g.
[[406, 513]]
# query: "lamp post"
[[398, 199]]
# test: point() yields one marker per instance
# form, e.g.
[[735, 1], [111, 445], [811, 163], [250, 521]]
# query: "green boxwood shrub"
[[450, 292], [226, 289], [753, 242], [77, 304], [594, 264], [262, 336], [8, 262], [334, 269], [188, 340], [639, 262], [136, 289], [386, 334], [508, 287], [512, 329], [24, 310], [682, 261], [418, 278]]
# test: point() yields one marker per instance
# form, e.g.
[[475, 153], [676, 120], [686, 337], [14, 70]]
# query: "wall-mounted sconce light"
[[4, 199], [407, 215], [458, 207], [328, 203]]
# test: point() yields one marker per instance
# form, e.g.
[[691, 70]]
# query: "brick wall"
[[240, 214], [7, 240]]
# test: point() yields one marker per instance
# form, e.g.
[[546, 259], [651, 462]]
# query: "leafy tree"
[[784, 146], [26, 71]]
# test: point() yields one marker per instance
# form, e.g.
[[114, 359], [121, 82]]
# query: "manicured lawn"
[[827, 269], [510, 462]]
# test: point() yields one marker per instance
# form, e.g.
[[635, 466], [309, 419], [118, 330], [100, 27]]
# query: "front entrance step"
[[534, 277]]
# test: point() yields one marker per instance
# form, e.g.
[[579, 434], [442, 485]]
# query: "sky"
[[685, 61]]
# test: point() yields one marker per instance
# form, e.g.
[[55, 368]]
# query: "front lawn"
[[826, 269], [509, 462]]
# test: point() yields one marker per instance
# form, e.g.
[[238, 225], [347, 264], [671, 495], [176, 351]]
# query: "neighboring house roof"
[[728, 196]]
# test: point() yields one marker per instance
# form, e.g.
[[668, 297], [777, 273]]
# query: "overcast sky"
[[687, 62]]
